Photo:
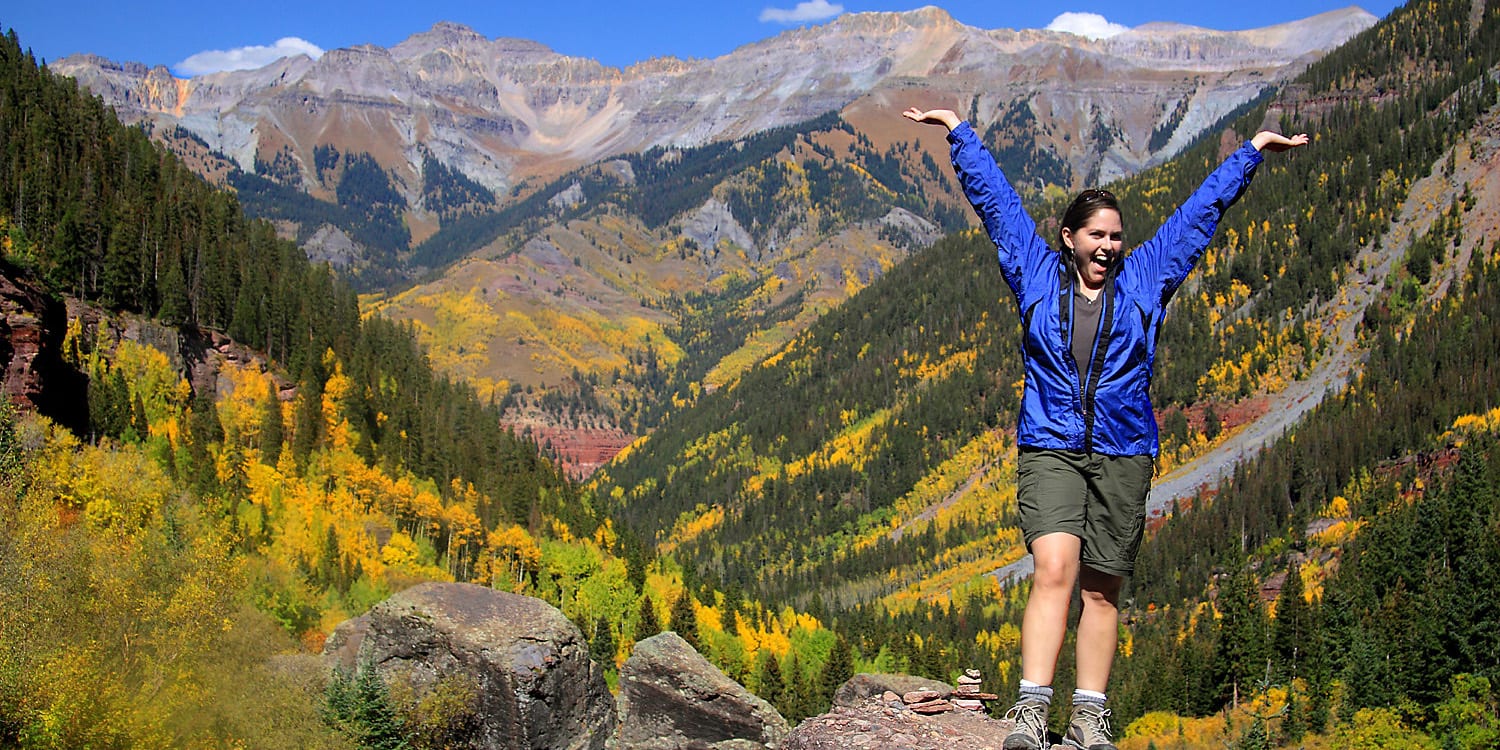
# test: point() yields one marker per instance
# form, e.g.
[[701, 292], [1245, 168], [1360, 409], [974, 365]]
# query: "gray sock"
[[1088, 696], [1031, 691]]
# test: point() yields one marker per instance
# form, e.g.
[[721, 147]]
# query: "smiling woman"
[[1087, 437]]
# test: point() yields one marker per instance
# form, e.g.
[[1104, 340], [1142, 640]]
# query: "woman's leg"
[[1046, 619], [1098, 627]]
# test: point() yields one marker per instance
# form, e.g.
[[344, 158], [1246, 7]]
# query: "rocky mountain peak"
[[498, 109], [926, 18]]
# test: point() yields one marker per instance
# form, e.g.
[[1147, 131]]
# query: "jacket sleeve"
[[1167, 258], [999, 207]]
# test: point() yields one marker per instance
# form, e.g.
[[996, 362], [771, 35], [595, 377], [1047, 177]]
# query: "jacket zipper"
[[1088, 386]]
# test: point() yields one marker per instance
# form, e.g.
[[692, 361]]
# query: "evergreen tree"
[[837, 670], [1239, 656], [685, 618], [1291, 631], [768, 680], [360, 707], [647, 624], [602, 645], [272, 429], [1294, 721], [140, 425]]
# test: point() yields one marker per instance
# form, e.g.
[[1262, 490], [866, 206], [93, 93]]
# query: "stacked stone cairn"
[[966, 697]]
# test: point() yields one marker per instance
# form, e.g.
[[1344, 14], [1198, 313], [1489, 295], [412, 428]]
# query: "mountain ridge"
[[561, 243], [798, 74]]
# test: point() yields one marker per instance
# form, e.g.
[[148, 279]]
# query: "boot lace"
[[1095, 725], [1030, 717]]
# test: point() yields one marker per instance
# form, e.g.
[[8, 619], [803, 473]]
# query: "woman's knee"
[[1099, 589], [1055, 573]]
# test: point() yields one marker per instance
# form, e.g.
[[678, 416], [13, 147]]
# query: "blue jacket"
[[1111, 413]]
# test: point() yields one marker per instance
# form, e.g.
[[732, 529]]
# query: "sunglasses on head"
[[1092, 193]]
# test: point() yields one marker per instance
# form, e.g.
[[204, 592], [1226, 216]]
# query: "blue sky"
[[616, 32]]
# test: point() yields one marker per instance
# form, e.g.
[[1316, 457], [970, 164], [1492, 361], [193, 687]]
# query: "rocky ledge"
[[888, 723]]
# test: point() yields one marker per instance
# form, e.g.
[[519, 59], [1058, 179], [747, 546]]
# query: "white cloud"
[[1091, 25], [246, 58], [810, 10]]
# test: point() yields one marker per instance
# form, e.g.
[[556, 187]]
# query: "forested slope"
[[864, 469]]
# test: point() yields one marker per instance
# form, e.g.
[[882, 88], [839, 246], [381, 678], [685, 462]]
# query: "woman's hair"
[[1083, 208]]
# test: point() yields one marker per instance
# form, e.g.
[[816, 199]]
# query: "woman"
[[1087, 436]]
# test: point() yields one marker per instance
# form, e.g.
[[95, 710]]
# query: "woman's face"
[[1095, 246]]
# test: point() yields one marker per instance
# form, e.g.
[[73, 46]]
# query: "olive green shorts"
[[1099, 499]]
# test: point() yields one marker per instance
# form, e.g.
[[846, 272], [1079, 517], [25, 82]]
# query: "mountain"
[[595, 246], [503, 111], [1337, 583], [869, 464]]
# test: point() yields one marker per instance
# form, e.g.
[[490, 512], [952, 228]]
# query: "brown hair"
[[1083, 208]]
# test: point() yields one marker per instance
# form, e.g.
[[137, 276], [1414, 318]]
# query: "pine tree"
[[379, 727], [685, 619], [360, 708], [647, 625], [1239, 655], [768, 680], [272, 429], [1294, 721], [602, 646], [837, 670], [1291, 630]]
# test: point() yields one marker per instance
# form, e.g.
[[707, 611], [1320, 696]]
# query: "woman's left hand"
[[1266, 140]]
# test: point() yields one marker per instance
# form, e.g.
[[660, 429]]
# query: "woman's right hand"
[[944, 117]]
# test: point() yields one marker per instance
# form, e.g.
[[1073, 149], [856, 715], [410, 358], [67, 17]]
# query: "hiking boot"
[[1030, 732], [1088, 728]]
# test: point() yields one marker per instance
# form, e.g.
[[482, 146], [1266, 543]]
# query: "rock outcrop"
[[671, 698], [33, 374], [864, 686], [887, 723], [535, 685]]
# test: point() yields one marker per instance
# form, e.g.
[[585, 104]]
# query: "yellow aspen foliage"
[[242, 399], [1338, 507], [709, 619], [336, 392], [400, 551], [465, 532], [115, 487], [1313, 573], [513, 555], [163, 392]]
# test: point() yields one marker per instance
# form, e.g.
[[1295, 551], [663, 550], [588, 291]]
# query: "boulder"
[[534, 685], [671, 698], [865, 685]]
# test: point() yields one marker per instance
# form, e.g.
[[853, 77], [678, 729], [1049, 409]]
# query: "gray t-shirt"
[[1086, 314]]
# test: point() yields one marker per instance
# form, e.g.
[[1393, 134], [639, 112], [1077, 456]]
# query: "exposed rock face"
[[671, 698], [865, 685], [34, 374], [536, 687], [498, 109]]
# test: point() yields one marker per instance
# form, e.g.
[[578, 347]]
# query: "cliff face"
[[502, 110], [35, 377]]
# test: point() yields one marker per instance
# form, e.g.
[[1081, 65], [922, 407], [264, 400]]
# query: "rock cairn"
[[966, 697]]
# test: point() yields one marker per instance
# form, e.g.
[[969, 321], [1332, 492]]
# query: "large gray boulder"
[[535, 687], [671, 698]]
